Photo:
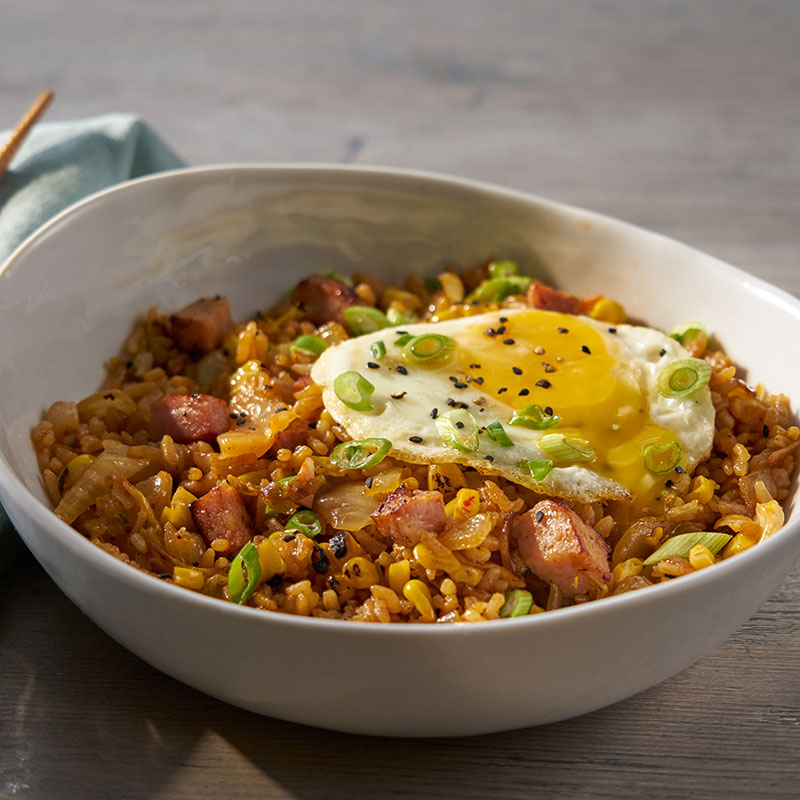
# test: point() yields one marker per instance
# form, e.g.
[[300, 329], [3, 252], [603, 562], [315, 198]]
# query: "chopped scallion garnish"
[[396, 317], [681, 544], [244, 574], [502, 269], [566, 448], [364, 319], [306, 522], [429, 349], [497, 432], [533, 417], [433, 284], [686, 333], [354, 390], [361, 454], [403, 340], [518, 603], [378, 350], [458, 430], [495, 289], [538, 469], [308, 344], [683, 378], [338, 276], [662, 458]]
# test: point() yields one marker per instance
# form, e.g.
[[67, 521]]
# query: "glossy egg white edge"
[[256, 230], [405, 404]]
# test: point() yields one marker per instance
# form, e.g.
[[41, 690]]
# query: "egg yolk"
[[563, 365]]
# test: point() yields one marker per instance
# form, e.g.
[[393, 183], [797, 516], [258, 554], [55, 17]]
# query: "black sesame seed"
[[401, 369], [478, 380], [539, 516], [503, 319], [662, 352], [585, 349], [401, 333], [241, 421], [290, 537], [165, 575], [680, 470], [516, 370], [669, 484], [398, 395], [488, 458], [452, 378], [459, 385], [612, 330], [434, 413], [373, 365], [524, 392], [474, 366], [563, 330], [313, 425], [233, 415], [508, 341], [368, 481], [548, 410], [459, 425], [490, 332], [544, 383], [501, 329], [338, 545], [452, 403], [502, 389], [415, 439], [765, 431]]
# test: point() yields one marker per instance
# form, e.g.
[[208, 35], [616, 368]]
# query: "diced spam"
[[202, 325], [405, 514], [189, 418], [221, 514]]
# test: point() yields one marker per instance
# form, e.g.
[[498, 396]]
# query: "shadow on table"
[[88, 719]]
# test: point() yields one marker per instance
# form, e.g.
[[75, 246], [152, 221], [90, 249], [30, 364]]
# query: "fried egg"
[[577, 401]]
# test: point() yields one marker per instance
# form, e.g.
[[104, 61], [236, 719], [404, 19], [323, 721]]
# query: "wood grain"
[[683, 117]]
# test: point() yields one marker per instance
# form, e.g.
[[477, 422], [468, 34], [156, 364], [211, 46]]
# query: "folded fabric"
[[58, 164]]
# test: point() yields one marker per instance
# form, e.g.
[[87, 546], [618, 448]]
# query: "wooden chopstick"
[[23, 128]]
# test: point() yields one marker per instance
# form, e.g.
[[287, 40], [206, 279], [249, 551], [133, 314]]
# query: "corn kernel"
[[330, 600], [361, 571], [270, 560], [447, 587], [399, 573], [702, 489], [178, 512], [188, 577], [606, 310], [411, 483], [628, 569], [738, 544], [416, 592], [701, 557]]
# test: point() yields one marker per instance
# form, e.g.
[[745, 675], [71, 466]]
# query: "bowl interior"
[[69, 297]]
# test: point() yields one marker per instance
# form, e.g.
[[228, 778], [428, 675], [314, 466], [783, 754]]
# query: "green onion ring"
[[458, 430], [354, 390], [503, 269], [538, 469], [360, 454], [497, 432], [566, 448], [244, 574], [495, 289], [681, 544], [533, 417], [364, 319], [662, 458], [306, 522], [518, 604], [308, 344], [683, 378], [378, 350], [429, 349]]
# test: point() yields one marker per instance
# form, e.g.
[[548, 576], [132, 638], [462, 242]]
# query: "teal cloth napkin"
[[58, 164]]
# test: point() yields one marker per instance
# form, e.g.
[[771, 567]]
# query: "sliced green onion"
[[364, 319], [433, 284], [354, 390], [430, 349], [305, 522], [395, 317], [378, 350], [566, 448], [403, 340], [518, 603], [497, 432], [686, 333], [662, 458], [361, 454], [495, 289], [244, 574], [533, 417], [459, 430], [683, 378], [503, 269], [539, 469], [338, 276], [681, 544], [308, 344]]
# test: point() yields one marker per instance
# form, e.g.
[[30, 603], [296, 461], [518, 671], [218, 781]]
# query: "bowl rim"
[[81, 547]]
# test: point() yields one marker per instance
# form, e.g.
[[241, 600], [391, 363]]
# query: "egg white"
[[404, 405]]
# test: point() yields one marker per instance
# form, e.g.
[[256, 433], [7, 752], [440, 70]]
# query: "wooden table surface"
[[680, 116]]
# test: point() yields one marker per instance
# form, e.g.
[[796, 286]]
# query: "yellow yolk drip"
[[566, 367]]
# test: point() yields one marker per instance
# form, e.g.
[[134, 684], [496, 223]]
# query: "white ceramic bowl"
[[69, 295]]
